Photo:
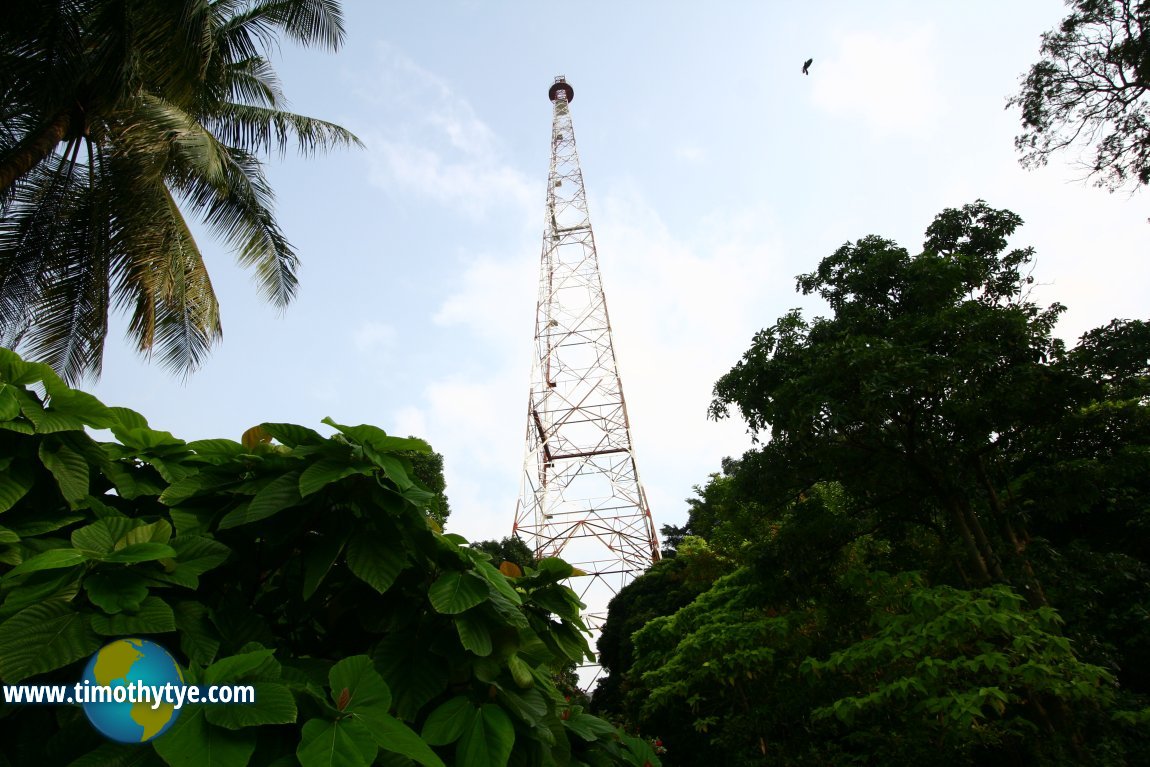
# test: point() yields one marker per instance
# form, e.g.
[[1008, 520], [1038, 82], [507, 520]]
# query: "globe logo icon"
[[127, 667]]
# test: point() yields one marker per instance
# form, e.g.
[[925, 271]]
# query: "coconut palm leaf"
[[117, 120], [260, 129]]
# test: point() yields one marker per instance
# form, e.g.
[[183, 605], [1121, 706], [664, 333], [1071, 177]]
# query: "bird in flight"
[[807, 66]]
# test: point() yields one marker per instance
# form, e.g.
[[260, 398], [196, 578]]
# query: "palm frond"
[[308, 22], [54, 253], [260, 129], [174, 100], [159, 273], [187, 316], [32, 235], [226, 185], [71, 321], [252, 81], [311, 21]]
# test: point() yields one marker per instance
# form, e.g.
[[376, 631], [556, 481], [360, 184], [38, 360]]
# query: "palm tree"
[[116, 117]]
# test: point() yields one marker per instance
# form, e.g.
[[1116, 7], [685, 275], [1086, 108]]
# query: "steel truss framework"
[[581, 497]]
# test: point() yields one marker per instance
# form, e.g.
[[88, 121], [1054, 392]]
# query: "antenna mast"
[[581, 497]]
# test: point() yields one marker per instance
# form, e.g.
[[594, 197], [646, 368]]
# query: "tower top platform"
[[561, 84]]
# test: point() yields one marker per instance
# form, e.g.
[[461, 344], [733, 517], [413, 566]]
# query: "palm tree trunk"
[[33, 149]]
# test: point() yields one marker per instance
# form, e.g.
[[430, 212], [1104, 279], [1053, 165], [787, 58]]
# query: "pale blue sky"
[[715, 173]]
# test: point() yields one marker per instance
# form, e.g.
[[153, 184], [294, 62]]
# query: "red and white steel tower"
[[581, 497]]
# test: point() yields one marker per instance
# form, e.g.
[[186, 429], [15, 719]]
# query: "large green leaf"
[[195, 555], [325, 471], [292, 435], [414, 675], [186, 487], [395, 470], [43, 586], [52, 559], [379, 440], [553, 568], [154, 616], [375, 561], [159, 531], [99, 538], [216, 451], [250, 665], [68, 467], [126, 418], [449, 721], [115, 590], [357, 688], [473, 633], [573, 644], [15, 482], [42, 638], [41, 523], [320, 555], [520, 671], [274, 704], [9, 405], [455, 591], [395, 736], [192, 742], [51, 421], [589, 727], [141, 552], [529, 705], [18, 426], [346, 743], [497, 579], [489, 739], [84, 407], [560, 600], [198, 639], [144, 438], [279, 494]]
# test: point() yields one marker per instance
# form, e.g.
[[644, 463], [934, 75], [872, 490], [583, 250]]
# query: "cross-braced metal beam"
[[581, 497]]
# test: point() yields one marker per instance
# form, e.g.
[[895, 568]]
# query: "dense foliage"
[[511, 548], [306, 566], [119, 118], [1092, 86], [939, 555]]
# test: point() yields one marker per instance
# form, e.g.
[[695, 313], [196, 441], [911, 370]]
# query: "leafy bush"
[[306, 566]]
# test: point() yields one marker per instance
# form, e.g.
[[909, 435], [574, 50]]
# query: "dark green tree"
[[925, 372], [1092, 86], [428, 469], [667, 586], [510, 549], [946, 508], [118, 119]]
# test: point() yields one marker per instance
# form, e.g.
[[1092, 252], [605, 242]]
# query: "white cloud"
[[431, 142], [888, 80], [495, 300], [690, 153], [373, 335], [409, 420], [473, 423]]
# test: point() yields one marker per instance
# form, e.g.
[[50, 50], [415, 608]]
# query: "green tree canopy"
[[1092, 86], [117, 119], [927, 370], [509, 549], [936, 539]]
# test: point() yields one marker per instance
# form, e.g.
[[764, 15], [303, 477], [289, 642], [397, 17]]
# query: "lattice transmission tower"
[[581, 497]]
